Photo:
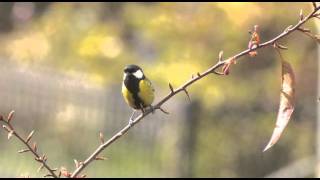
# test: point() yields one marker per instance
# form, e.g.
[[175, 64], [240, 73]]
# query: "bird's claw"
[[152, 109]]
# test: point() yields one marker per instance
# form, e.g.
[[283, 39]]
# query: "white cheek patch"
[[138, 74], [124, 76]]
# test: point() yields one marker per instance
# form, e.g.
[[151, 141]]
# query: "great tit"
[[137, 89]]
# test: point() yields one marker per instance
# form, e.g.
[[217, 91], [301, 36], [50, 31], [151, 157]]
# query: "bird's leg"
[[131, 117], [152, 109], [142, 109]]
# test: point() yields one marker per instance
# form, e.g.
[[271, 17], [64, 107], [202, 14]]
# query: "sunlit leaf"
[[286, 103]]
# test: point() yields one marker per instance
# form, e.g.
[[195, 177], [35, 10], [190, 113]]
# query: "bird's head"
[[133, 70]]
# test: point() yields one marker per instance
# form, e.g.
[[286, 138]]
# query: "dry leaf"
[[286, 103]]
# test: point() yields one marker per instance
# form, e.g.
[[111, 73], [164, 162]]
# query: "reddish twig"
[[183, 88]]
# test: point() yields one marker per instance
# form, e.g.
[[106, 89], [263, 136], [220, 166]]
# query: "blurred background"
[[61, 71]]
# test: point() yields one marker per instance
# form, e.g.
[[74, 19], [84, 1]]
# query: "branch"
[[33, 149], [182, 88]]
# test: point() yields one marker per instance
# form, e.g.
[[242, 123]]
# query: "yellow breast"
[[146, 92], [127, 96]]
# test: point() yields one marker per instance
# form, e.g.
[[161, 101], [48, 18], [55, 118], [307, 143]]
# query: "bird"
[[137, 89]]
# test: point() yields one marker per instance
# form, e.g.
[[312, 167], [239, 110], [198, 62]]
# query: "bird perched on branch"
[[137, 90]]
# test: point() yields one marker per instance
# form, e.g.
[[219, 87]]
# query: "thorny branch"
[[30, 148], [183, 88]]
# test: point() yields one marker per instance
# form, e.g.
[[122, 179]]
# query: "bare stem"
[[183, 87], [38, 158]]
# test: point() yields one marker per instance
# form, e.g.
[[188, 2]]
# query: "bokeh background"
[[61, 71]]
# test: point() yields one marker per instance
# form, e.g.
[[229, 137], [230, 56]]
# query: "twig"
[[33, 149], [183, 87]]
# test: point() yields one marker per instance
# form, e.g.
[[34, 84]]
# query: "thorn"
[[76, 163], [35, 147], [30, 136], [220, 55], [163, 110], [40, 168], [23, 151], [10, 116], [38, 159], [276, 45], [288, 28], [83, 176], [314, 5], [100, 158], [301, 15], [171, 88], [198, 74], [55, 169], [185, 90], [10, 134], [192, 76], [218, 73], [44, 158], [101, 137], [304, 29], [119, 134]]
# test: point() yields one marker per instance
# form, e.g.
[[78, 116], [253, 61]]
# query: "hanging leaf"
[[286, 103]]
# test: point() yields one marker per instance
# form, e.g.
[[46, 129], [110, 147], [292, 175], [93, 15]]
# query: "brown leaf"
[[286, 103]]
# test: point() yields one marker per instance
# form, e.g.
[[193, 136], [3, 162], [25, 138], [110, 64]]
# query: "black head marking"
[[131, 68]]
